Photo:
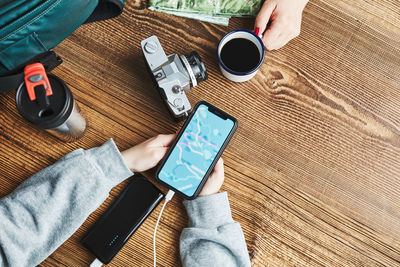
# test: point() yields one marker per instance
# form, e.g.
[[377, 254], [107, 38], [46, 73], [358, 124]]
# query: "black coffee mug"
[[240, 55]]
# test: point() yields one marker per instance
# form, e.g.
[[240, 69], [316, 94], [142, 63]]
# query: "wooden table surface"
[[313, 172]]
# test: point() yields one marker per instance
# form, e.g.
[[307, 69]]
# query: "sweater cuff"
[[209, 211], [109, 161]]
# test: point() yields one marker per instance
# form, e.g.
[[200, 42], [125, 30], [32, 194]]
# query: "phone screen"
[[195, 150]]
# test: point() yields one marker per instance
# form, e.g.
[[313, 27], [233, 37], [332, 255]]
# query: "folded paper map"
[[215, 11]]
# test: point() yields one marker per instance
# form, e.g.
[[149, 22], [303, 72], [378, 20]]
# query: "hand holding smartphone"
[[196, 150]]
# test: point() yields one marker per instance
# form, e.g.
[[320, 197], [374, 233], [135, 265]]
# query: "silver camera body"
[[174, 75]]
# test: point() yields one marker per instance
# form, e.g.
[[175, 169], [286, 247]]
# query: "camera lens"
[[196, 67]]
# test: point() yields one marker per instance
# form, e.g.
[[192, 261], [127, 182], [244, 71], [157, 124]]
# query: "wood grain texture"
[[313, 172]]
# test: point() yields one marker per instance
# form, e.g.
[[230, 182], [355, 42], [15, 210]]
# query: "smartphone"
[[195, 151], [114, 228]]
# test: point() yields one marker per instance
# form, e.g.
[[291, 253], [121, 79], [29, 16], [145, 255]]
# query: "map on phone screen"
[[195, 151]]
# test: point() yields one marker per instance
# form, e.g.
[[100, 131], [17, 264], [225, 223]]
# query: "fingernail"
[[257, 31]]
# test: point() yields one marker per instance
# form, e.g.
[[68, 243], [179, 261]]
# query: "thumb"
[[160, 152], [164, 140], [264, 16]]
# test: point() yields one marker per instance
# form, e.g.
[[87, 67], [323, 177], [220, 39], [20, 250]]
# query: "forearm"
[[50, 206], [212, 238]]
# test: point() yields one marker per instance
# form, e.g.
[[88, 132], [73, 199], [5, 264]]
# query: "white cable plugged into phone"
[[168, 197], [96, 263]]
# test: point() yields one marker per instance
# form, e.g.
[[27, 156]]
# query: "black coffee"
[[240, 55]]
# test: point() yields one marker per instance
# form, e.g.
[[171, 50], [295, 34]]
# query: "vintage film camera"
[[174, 75]]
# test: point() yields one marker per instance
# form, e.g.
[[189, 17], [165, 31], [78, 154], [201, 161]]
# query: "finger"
[[164, 139], [264, 16], [219, 167], [271, 36], [281, 41], [215, 180], [218, 171], [160, 153]]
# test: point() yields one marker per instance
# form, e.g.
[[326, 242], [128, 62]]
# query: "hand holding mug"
[[285, 21]]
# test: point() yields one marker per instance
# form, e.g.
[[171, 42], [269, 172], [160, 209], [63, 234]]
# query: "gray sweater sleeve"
[[212, 238], [46, 209]]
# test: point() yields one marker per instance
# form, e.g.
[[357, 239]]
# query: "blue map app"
[[195, 151]]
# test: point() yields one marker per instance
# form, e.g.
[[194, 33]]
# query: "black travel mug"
[[58, 113]]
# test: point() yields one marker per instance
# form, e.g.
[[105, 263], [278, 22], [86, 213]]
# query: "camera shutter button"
[[176, 89], [151, 47]]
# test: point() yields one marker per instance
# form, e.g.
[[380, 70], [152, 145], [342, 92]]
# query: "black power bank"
[[109, 234]]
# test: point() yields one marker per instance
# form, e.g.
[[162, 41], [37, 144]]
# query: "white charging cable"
[[96, 263], [168, 197]]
